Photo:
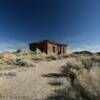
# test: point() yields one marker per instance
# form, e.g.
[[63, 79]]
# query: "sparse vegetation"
[[51, 57], [18, 51], [84, 73], [81, 72], [23, 58], [25, 62]]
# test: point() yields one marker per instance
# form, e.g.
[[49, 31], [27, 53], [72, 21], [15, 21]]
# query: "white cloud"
[[5, 46], [92, 48]]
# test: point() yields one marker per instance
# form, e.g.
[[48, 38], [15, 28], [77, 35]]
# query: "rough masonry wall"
[[50, 48], [65, 49]]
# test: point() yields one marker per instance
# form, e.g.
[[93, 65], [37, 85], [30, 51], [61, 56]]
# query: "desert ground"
[[30, 76], [32, 83]]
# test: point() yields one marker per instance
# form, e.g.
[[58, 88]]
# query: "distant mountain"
[[83, 52]]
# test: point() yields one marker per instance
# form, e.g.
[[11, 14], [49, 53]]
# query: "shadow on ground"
[[55, 83], [75, 92], [54, 75], [80, 94], [59, 95]]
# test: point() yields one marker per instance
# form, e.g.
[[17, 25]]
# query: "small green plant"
[[18, 51]]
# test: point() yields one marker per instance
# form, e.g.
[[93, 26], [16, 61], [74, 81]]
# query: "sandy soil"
[[33, 83]]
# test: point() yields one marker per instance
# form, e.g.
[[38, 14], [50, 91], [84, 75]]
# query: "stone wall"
[[49, 48], [59, 49]]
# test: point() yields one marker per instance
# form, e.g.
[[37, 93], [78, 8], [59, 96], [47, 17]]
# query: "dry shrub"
[[23, 58], [87, 62], [25, 62], [7, 61], [84, 76], [51, 57], [75, 65], [39, 57], [89, 82], [66, 56], [7, 58], [96, 58]]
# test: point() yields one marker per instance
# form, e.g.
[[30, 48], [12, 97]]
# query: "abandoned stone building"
[[49, 47]]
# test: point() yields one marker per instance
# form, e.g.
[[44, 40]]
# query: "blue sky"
[[73, 22]]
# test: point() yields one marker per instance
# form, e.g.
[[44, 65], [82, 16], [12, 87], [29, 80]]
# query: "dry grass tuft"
[[52, 57], [25, 62], [84, 75], [24, 58]]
